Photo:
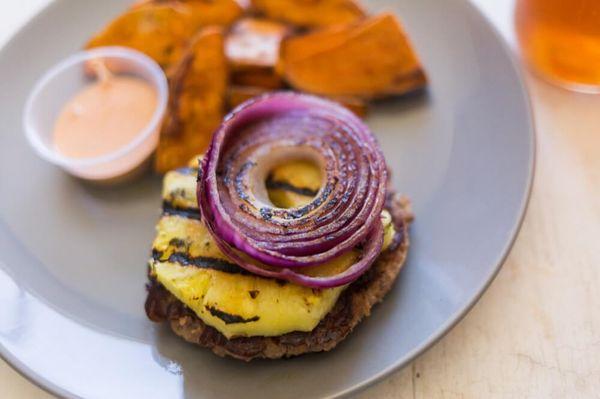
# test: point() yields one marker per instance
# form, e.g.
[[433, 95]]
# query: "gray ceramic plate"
[[72, 258]]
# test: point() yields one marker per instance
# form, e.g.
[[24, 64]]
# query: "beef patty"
[[354, 304]]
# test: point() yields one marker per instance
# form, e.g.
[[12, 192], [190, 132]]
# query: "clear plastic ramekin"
[[59, 84]]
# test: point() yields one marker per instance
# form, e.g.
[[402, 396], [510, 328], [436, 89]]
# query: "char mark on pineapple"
[[273, 184], [201, 262], [172, 210], [229, 318]]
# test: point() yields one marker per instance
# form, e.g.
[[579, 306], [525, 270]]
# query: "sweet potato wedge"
[[369, 59], [267, 79], [159, 31], [204, 12], [252, 49], [354, 104], [238, 94], [310, 13], [254, 43], [198, 85]]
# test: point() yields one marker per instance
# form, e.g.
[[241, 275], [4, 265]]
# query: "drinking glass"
[[560, 40]]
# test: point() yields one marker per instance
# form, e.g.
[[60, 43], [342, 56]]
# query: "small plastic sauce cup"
[[57, 86]]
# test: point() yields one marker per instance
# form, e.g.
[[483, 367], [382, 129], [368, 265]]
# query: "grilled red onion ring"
[[277, 242]]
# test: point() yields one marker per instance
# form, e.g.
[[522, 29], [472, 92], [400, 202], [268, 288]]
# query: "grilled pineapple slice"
[[188, 263]]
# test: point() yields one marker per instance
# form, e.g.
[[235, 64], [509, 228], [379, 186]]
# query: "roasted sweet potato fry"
[[159, 31], [267, 79], [238, 94], [204, 12], [198, 85], [310, 13], [369, 59], [252, 48], [254, 42], [354, 104]]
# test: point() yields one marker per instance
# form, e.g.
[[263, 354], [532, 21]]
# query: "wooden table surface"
[[536, 331]]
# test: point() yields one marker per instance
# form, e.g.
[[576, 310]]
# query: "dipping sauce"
[[97, 114], [104, 117]]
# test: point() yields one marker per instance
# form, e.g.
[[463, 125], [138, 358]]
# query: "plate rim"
[[524, 92]]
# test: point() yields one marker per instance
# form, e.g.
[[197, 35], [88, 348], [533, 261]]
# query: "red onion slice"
[[271, 241]]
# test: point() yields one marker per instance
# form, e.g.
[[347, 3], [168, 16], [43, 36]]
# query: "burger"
[[282, 237]]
